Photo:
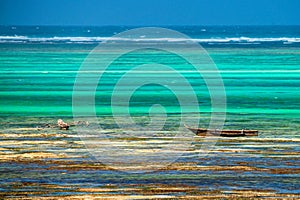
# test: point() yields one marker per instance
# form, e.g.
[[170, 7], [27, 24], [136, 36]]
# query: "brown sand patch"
[[285, 171], [29, 156], [18, 143]]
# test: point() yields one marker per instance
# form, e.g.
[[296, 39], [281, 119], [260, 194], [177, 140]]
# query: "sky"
[[149, 12]]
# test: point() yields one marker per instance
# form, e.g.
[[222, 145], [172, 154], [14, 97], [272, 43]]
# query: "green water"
[[38, 80]]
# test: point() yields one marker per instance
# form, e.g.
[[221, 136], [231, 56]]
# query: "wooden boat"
[[223, 133]]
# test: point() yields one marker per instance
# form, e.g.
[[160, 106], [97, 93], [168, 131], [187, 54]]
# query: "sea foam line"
[[16, 38]]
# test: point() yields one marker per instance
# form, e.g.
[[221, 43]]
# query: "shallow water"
[[262, 90]]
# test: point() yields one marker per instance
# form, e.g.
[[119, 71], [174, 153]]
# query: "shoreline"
[[48, 155]]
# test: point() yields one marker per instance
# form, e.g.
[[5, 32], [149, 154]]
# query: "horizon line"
[[154, 25]]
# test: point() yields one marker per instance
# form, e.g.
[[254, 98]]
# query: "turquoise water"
[[260, 68], [44, 75], [38, 79]]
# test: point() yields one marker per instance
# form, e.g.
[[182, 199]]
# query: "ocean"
[[260, 70]]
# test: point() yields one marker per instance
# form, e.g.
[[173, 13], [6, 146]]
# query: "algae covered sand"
[[49, 163]]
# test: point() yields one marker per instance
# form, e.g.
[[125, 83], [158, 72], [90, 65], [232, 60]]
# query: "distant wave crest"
[[26, 39]]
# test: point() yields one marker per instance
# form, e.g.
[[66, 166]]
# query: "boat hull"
[[223, 133]]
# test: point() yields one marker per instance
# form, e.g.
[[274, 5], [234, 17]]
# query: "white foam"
[[245, 40]]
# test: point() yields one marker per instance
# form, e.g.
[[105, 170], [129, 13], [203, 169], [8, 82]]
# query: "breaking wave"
[[26, 39]]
